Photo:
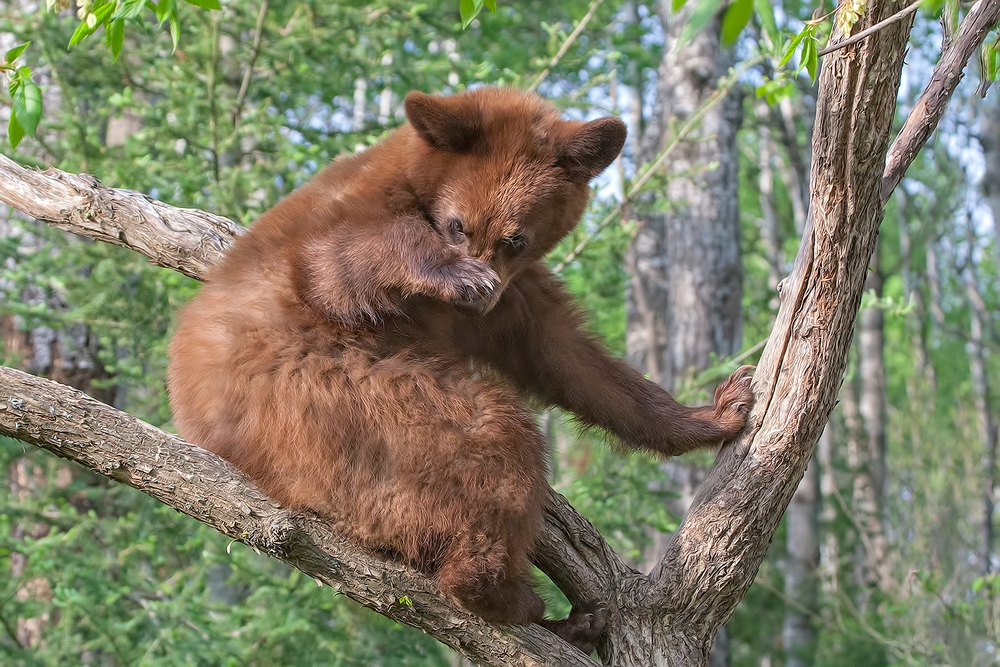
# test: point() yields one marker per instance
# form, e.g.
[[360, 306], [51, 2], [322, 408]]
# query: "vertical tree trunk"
[[769, 229], [802, 561], [990, 140], [989, 137], [978, 316], [685, 301], [864, 416], [687, 275]]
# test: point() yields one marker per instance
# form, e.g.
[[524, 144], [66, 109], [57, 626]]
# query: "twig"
[[898, 16], [254, 53], [930, 106], [692, 123], [566, 44]]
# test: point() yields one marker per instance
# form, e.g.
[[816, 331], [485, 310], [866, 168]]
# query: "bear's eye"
[[516, 243], [456, 229]]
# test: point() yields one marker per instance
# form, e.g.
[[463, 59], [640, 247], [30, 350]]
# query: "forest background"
[[886, 556]]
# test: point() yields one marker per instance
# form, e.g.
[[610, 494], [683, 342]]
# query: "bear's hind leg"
[[477, 570]]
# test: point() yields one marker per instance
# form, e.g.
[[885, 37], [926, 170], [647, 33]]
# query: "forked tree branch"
[[670, 618], [930, 106]]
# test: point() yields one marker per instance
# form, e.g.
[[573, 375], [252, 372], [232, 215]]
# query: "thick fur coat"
[[369, 348]]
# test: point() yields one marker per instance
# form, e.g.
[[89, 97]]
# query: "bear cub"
[[370, 349]]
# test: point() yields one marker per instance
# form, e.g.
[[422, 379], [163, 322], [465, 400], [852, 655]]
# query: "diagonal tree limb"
[[198, 483], [184, 239], [714, 556], [930, 106], [570, 550]]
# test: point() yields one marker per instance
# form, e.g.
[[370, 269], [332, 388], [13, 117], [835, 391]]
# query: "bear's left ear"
[[594, 146], [441, 124]]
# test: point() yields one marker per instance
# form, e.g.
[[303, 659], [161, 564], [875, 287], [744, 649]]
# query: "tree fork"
[[669, 618]]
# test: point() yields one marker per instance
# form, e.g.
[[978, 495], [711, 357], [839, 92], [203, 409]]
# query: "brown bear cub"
[[369, 349]]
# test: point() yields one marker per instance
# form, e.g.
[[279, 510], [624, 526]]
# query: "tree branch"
[[571, 551], [198, 483], [931, 105], [184, 239], [714, 556]]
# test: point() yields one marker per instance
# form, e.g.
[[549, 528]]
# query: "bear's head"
[[499, 174]]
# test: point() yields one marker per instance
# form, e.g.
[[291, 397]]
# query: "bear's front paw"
[[733, 400], [472, 284]]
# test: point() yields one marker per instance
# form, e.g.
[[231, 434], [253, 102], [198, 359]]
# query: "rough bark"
[[687, 276], [76, 427], [706, 564], [670, 618]]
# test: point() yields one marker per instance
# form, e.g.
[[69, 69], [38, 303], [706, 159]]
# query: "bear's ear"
[[594, 146], [441, 125]]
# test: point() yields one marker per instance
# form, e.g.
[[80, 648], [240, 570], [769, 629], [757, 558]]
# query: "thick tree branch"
[[198, 483], [184, 239], [931, 105], [714, 556], [571, 551]]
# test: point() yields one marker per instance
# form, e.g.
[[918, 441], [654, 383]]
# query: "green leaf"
[[81, 31], [14, 131], [27, 103], [701, 16], [766, 15], [810, 57], [164, 8], [205, 4], [790, 51], [129, 9], [993, 61], [735, 19], [175, 30], [491, 5], [116, 36], [13, 53], [101, 14], [675, 5], [470, 10]]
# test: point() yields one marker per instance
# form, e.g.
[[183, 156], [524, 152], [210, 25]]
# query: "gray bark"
[[868, 440], [989, 137], [687, 276]]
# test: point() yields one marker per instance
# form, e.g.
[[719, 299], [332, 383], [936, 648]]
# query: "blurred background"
[[887, 553]]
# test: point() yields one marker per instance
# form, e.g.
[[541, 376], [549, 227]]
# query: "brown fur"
[[368, 349]]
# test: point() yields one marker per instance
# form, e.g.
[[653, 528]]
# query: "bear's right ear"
[[594, 146], [441, 126]]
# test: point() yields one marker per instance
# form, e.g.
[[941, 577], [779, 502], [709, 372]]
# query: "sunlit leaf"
[[116, 36], [27, 104], [766, 15], [790, 51], [810, 57], [735, 19], [14, 131], [205, 4], [129, 9], [13, 53]]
